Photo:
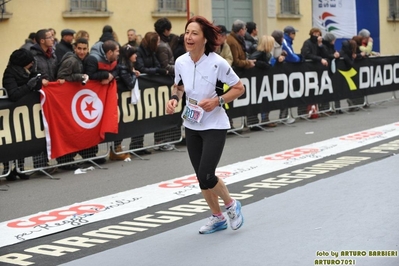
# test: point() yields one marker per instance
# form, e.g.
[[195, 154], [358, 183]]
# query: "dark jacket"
[[70, 68], [250, 43], [62, 48], [346, 54], [263, 59], [14, 81], [165, 57], [311, 50], [28, 44], [327, 50], [146, 61], [96, 64], [47, 66]]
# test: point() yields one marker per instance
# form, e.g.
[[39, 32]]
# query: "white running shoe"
[[235, 215], [214, 224]]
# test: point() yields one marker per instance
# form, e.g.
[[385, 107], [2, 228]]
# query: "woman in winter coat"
[[18, 82]]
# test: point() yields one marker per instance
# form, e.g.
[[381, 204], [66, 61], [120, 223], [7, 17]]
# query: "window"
[[88, 5], [289, 7], [3, 12], [171, 5], [393, 9]]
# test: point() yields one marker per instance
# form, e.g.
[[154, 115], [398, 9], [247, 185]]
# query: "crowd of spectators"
[[43, 59]]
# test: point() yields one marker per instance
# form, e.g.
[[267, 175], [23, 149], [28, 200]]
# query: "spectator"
[[164, 54], [139, 38], [177, 45], [367, 43], [251, 37], [101, 65], [356, 103], [107, 34], [148, 63], [312, 47], [280, 55], [237, 45], [223, 49], [131, 38], [45, 58], [328, 51], [71, 69], [65, 45], [278, 52], [289, 37], [53, 33], [128, 75], [30, 41], [264, 60], [18, 80], [82, 34], [165, 57], [46, 65], [312, 50]]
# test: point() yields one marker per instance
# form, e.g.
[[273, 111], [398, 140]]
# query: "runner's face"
[[194, 38]]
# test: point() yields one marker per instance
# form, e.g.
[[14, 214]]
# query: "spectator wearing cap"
[[65, 45], [224, 49], [19, 82], [30, 41], [289, 36]]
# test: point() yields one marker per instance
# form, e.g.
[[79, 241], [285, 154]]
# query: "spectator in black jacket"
[[65, 45], [312, 49], [328, 51], [18, 82]]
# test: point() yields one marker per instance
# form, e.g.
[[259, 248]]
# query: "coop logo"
[[328, 22]]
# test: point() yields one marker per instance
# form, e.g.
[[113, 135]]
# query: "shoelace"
[[232, 212]]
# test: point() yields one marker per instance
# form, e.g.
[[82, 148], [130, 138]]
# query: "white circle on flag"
[[87, 108]]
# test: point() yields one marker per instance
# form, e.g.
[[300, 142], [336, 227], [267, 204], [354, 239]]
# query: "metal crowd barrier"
[[40, 163]]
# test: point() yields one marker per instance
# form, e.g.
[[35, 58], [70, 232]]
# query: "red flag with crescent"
[[76, 116]]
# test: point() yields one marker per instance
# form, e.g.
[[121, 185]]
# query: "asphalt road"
[[41, 193]]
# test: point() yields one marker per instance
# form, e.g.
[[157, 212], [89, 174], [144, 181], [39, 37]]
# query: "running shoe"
[[235, 215], [214, 224]]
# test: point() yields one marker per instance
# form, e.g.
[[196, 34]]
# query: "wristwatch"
[[221, 101]]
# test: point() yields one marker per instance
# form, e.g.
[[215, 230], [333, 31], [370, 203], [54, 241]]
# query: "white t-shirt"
[[199, 80]]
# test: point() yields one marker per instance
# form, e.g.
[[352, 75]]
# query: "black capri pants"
[[205, 149]]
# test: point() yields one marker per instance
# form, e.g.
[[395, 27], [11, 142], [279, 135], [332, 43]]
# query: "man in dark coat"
[[65, 45]]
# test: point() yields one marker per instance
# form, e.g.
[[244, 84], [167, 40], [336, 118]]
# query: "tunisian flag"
[[77, 116]]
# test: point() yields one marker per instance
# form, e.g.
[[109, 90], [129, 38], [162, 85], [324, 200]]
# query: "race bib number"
[[192, 113]]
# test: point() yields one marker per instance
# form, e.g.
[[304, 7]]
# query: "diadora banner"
[[284, 85]]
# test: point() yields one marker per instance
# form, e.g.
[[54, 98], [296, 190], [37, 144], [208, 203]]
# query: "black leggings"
[[205, 149]]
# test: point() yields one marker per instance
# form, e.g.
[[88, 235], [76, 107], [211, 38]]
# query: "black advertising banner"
[[148, 115], [282, 86]]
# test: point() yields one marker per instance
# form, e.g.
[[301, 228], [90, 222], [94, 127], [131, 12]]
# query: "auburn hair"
[[210, 31]]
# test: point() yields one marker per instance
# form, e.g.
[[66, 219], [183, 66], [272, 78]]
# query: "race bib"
[[192, 113]]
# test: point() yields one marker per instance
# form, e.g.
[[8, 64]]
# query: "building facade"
[[20, 17]]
